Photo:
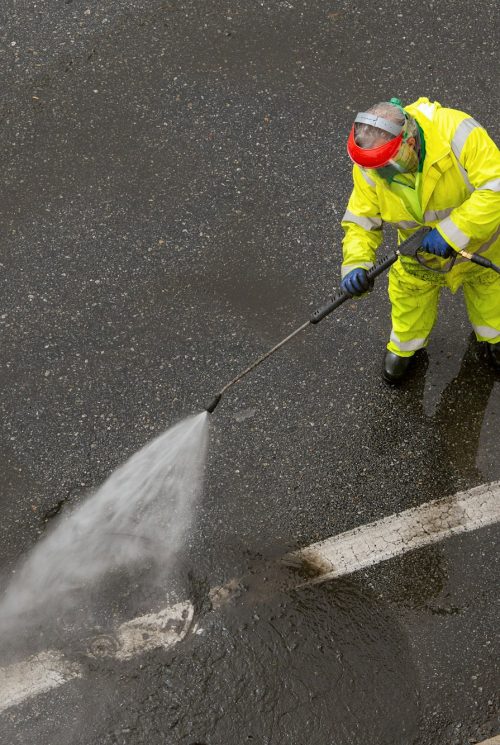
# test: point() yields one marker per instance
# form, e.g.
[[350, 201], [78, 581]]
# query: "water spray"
[[409, 247]]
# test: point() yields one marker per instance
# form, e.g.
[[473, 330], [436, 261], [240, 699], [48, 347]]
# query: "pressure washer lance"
[[409, 247]]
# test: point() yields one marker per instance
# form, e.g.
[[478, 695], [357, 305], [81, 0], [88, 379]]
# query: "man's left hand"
[[434, 243]]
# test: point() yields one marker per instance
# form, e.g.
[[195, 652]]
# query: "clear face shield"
[[389, 157]]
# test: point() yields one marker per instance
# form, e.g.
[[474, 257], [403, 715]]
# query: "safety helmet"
[[395, 153]]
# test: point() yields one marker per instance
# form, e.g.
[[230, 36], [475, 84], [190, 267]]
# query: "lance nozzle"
[[213, 403]]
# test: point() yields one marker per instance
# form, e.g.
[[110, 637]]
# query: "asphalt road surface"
[[173, 178]]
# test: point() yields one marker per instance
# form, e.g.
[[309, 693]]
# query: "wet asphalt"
[[173, 178]]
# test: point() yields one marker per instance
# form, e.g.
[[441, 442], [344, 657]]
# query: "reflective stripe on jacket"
[[460, 193]]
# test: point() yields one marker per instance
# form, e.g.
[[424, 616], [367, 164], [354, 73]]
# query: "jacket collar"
[[437, 156]]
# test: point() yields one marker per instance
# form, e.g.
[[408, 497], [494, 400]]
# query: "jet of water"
[[139, 514]]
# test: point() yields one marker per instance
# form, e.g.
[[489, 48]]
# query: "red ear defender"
[[373, 157]]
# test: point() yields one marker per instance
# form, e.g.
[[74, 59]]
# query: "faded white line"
[[163, 629], [51, 669], [37, 674], [394, 535], [493, 741]]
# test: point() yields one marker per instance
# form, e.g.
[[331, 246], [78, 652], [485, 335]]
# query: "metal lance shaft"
[[213, 403]]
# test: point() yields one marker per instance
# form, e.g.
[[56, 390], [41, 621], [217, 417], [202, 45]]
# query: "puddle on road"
[[273, 665]]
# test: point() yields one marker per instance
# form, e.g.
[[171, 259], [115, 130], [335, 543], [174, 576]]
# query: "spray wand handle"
[[334, 302]]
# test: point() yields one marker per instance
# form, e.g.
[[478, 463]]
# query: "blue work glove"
[[434, 243], [357, 282]]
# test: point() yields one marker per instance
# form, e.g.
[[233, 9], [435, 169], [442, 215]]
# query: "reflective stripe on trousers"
[[487, 333], [406, 346]]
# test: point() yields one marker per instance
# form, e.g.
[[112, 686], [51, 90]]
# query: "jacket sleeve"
[[361, 223], [477, 217]]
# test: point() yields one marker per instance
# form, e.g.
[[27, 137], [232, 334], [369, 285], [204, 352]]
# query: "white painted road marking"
[[493, 741], [163, 629], [394, 535], [52, 669], [333, 557], [37, 674]]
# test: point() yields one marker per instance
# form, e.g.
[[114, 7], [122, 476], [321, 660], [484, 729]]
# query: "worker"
[[424, 164]]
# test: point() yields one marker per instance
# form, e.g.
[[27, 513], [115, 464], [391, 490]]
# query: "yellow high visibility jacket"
[[460, 196]]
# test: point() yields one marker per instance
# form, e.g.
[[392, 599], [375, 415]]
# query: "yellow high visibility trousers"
[[415, 303]]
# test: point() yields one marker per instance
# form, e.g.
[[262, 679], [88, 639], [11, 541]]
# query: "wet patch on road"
[[294, 666]]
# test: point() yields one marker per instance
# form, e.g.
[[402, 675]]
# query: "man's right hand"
[[356, 282]]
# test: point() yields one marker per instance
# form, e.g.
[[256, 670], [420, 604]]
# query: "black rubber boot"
[[395, 367], [493, 351]]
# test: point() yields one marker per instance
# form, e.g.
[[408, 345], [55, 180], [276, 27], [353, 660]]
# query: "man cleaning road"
[[425, 165]]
